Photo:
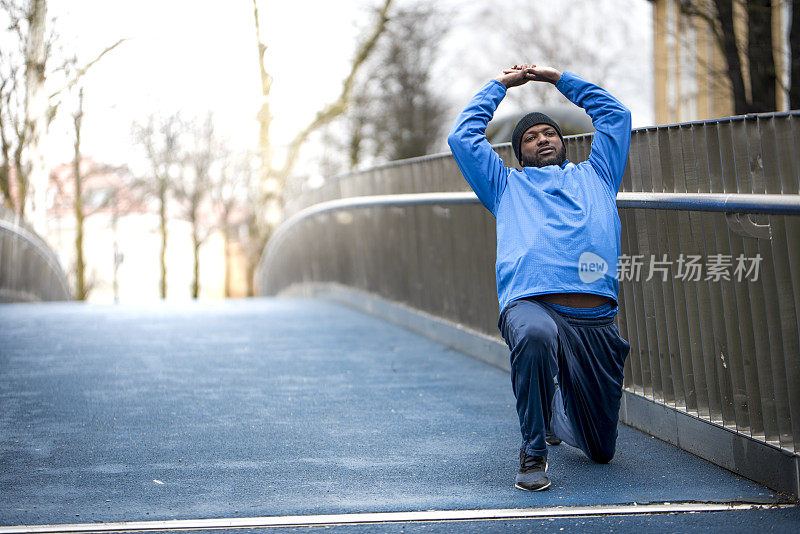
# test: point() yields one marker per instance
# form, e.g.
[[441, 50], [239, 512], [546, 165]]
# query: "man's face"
[[541, 146]]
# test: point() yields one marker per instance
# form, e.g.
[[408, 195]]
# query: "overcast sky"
[[196, 55]]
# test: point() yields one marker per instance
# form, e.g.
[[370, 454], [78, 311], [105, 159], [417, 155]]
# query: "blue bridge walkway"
[[255, 413]]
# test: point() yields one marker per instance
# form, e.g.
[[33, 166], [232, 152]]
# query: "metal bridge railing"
[[29, 269], [721, 344]]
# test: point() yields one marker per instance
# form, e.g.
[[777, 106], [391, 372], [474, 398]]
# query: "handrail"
[[714, 202], [717, 202], [40, 249], [772, 204]]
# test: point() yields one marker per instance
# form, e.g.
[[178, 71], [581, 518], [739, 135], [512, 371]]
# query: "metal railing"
[[29, 269], [718, 348]]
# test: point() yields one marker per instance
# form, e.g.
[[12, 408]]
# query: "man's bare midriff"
[[575, 300]]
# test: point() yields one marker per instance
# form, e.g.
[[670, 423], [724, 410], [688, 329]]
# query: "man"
[[558, 240]]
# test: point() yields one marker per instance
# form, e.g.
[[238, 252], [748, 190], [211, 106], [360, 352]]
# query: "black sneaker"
[[531, 475], [552, 439]]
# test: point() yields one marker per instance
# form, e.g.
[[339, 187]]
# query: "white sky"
[[199, 55]]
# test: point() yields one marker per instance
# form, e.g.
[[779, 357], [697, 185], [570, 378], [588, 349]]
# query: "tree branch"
[[690, 9], [82, 70], [336, 108], [5, 147]]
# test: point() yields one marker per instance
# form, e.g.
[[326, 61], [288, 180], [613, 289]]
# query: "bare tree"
[[398, 108], [339, 106], [754, 51], [36, 110], [160, 139], [28, 104], [248, 208], [231, 193], [359, 122], [24, 113], [272, 180], [77, 191], [80, 268], [264, 115], [12, 135], [573, 34], [200, 154]]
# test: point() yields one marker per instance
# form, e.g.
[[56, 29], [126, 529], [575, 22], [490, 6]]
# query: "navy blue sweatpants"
[[566, 373]]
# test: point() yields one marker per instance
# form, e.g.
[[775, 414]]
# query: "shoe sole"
[[531, 489]]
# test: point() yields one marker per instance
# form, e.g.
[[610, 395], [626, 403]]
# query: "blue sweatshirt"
[[558, 230]]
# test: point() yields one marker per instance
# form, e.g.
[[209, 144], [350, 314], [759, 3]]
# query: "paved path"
[[275, 407]]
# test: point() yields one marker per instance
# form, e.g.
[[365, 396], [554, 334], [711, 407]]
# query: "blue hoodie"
[[558, 230]]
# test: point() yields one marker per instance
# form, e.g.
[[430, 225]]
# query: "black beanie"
[[531, 119]]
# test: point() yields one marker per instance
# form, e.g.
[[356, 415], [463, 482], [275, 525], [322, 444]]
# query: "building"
[[690, 81]]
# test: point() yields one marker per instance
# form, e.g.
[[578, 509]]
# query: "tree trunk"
[[36, 111], [162, 198], [196, 250], [196, 281], [761, 57], [255, 246], [356, 139], [22, 178], [794, 62], [80, 268], [226, 232], [251, 274], [117, 253], [731, 53], [5, 150], [264, 116]]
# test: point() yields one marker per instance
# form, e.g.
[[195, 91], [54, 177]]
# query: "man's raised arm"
[[481, 166], [612, 122]]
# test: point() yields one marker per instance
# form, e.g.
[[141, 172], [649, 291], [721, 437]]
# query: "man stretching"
[[558, 240]]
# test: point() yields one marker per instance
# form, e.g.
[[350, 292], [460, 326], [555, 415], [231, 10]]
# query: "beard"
[[557, 158]]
